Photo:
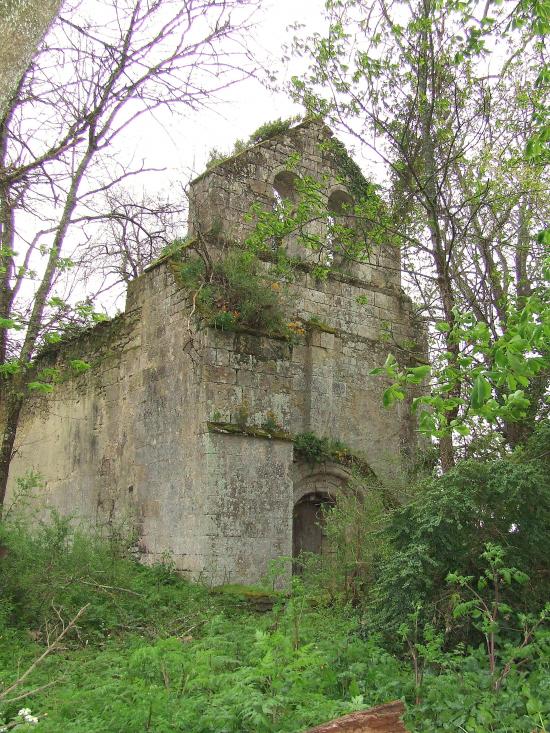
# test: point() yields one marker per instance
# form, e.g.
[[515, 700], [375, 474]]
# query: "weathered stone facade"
[[144, 433]]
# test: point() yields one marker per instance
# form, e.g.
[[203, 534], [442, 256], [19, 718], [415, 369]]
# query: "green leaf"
[[48, 373], [533, 706], [10, 367], [10, 323], [427, 424], [393, 393], [56, 302], [481, 392], [387, 398], [420, 372], [462, 429], [517, 362]]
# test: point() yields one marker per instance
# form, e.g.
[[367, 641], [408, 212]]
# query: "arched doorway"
[[308, 523], [316, 490]]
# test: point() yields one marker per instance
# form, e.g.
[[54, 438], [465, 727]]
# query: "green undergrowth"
[[238, 590], [152, 652]]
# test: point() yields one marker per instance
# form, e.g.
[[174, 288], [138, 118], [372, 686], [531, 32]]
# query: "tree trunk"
[[13, 401], [446, 453], [22, 27], [380, 719], [427, 73]]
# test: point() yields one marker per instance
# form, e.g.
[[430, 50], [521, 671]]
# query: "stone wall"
[[320, 383], [248, 504], [221, 198], [122, 442], [143, 437]]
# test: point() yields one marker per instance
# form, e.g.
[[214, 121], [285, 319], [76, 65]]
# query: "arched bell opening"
[[285, 187], [340, 220], [285, 199], [340, 203]]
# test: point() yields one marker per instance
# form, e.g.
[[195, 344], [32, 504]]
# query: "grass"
[[201, 662], [153, 652]]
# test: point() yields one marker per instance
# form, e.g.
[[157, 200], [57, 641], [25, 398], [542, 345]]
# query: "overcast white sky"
[[182, 145]]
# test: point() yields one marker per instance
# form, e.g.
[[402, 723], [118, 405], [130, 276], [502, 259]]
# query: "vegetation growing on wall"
[[315, 450], [234, 291], [318, 450], [271, 129], [264, 132]]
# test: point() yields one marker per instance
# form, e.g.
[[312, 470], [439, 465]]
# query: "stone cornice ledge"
[[229, 428]]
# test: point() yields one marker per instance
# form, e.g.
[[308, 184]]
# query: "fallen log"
[[381, 719]]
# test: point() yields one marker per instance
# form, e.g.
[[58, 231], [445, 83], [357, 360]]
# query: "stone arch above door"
[[325, 478], [315, 487]]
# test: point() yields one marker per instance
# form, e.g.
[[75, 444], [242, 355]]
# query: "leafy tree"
[[421, 88]]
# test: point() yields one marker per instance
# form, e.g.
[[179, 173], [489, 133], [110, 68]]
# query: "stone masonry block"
[[327, 340]]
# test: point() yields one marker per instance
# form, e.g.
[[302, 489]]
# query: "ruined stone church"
[[153, 433]]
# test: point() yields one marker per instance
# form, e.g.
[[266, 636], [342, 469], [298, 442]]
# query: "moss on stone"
[[317, 325], [257, 598], [265, 132], [171, 254], [85, 343], [261, 332], [325, 450], [328, 452], [229, 428]]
